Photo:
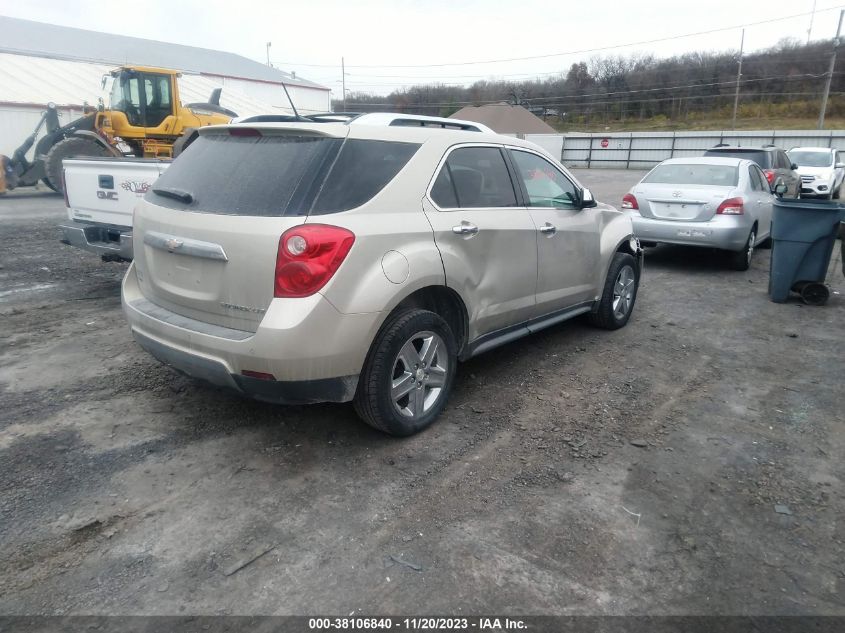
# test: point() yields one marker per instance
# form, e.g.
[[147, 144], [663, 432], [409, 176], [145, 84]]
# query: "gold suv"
[[359, 258]]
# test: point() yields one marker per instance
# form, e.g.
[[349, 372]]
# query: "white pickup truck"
[[100, 195]]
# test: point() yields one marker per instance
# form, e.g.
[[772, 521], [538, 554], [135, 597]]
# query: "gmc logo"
[[107, 195]]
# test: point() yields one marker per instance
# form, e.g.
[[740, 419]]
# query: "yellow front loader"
[[145, 118]]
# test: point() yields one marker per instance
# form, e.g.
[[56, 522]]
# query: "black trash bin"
[[803, 234]]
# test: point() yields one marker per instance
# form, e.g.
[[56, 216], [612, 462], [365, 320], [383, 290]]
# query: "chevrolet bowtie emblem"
[[173, 244]]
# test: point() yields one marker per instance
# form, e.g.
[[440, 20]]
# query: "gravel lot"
[[574, 472]]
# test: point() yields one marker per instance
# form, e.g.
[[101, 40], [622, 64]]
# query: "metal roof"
[[505, 119], [73, 83], [38, 39]]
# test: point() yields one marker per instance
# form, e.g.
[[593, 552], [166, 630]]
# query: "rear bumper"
[[111, 242], [726, 232], [214, 372], [314, 352]]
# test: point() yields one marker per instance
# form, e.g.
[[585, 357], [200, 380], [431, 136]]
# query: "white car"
[[821, 170]]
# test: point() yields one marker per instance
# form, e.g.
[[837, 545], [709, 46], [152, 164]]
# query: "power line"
[[573, 52], [594, 103], [592, 95]]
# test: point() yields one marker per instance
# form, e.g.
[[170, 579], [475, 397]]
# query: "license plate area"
[[694, 233]]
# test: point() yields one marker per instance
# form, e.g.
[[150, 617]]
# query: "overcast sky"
[[438, 36]]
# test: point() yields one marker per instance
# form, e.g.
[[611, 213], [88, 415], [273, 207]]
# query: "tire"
[[619, 294], [189, 135], [47, 182], [390, 365], [71, 147], [741, 260]]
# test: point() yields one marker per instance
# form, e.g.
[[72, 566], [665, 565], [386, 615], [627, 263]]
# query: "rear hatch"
[[759, 156], [207, 234], [685, 192]]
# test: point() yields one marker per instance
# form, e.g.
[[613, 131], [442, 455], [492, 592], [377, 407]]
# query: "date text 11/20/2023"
[[416, 624]]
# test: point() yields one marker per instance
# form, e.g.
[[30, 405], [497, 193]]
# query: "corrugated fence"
[[643, 150]]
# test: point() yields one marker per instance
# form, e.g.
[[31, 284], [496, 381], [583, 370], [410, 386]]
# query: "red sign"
[[605, 142]]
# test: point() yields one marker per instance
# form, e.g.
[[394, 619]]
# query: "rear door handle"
[[465, 228], [548, 229]]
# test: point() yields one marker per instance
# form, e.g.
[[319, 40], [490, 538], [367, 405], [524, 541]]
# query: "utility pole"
[[269, 44], [343, 81], [738, 76], [826, 92], [812, 17]]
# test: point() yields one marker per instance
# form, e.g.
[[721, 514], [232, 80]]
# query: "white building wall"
[[18, 122], [307, 100]]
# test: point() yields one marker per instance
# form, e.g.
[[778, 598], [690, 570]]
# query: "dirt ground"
[[574, 472]]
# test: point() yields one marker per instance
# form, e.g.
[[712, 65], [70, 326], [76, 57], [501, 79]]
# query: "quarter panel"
[[362, 284]]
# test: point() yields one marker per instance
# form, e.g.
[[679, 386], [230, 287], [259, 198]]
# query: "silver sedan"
[[723, 203]]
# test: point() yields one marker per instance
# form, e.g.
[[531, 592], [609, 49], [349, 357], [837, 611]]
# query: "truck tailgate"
[[105, 190]]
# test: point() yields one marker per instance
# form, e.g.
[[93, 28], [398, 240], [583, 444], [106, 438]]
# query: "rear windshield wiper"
[[176, 194]]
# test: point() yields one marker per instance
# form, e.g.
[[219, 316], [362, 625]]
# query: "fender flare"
[[99, 140]]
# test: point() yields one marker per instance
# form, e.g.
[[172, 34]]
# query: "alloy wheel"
[[623, 292], [419, 374], [750, 251]]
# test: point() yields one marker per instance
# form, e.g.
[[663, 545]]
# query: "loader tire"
[[180, 144], [71, 147]]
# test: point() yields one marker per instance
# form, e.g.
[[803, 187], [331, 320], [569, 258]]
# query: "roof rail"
[[371, 118], [420, 120]]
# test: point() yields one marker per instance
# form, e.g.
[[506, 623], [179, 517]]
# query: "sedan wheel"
[[741, 260]]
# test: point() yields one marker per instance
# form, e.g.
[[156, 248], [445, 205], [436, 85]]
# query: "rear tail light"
[[243, 131], [309, 255], [731, 206], [630, 202], [64, 188], [770, 175]]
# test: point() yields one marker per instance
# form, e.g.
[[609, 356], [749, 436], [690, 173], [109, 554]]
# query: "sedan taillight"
[[629, 201], [731, 206]]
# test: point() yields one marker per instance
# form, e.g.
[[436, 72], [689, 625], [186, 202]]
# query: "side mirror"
[[780, 189], [587, 200], [793, 166], [839, 166]]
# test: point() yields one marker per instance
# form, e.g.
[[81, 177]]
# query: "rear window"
[[278, 175], [760, 157], [693, 174]]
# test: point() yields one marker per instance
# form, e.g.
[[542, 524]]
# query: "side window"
[[785, 163], [477, 176], [362, 169], [164, 91], [546, 186], [443, 191], [754, 176]]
